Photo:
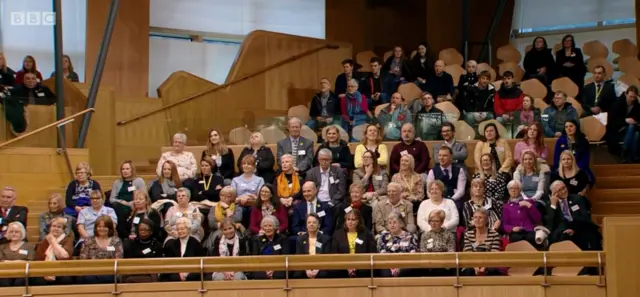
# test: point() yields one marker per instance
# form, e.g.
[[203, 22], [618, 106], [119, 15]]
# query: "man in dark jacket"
[[325, 107], [625, 118], [377, 86], [477, 102], [9, 212], [554, 116], [29, 93], [340, 87], [428, 118]]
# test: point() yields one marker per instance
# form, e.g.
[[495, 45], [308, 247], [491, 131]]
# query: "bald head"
[[309, 191], [439, 66]]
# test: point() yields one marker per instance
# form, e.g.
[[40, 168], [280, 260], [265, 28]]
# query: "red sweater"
[[280, 214], [344, 107], [507, 100], [417, 149]]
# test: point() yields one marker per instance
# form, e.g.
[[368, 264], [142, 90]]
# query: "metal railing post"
[[58, 53]]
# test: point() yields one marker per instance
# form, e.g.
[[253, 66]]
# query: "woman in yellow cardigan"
[[497, 147], [372, 141]]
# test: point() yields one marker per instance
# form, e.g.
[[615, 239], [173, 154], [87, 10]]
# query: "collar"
[[314, 201], [450, 144], [401, 202], [450, 168], [294, 139], [325, 171]]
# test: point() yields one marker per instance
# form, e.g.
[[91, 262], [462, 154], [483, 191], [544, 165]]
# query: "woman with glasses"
[[77, 196]]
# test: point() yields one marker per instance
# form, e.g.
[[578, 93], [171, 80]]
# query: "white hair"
[[274, 221], [325, 152], [514, 183], [181, 136], [23, 231], [295, 120], [555, 184], [396, 185], [286, 156], [185, 221], [472, 62], [354, 81]]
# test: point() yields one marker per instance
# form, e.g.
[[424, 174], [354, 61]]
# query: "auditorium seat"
[[565, 84], [487, 67]]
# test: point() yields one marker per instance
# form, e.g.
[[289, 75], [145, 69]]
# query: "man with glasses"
[[569, 218], [459, 149], [330, 180], [9, 212]]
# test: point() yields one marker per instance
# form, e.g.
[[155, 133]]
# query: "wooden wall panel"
[[37, 117], [623, 260], [127, 64]]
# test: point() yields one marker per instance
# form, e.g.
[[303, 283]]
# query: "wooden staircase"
[[617, 191]]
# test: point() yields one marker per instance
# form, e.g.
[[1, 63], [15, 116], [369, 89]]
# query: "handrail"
[[56, 123], [302, 262], [233, 82]]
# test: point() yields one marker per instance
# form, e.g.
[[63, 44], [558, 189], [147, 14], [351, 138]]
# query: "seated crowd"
[[330, 201]]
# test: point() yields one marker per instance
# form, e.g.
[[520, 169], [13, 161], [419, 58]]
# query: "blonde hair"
[[574, 165], [412, 161], [62, 221], [364, 135], [220, 148], [3, 58], [23, 231], [86, 167], [133, 169], [332, 127], [536, 164], [494, 170], [260, 137]]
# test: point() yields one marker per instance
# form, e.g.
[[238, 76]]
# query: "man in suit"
[[450, 174], [394, 202], [299, 147], [448, 132], [568, 218], [330, 180], [311, 205], [9, 212], [598, 96]]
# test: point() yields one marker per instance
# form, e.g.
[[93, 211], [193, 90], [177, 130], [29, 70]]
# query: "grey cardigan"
[[459, 152], [117, 185]]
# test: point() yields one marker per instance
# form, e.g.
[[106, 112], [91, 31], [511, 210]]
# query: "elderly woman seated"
[[269, 243], [57, 245], [451, 217], [167, 184], [393, 203], [411, 182], [77, 196], [144, 245], [481, 238], [354, 202], [247, 187], [141, 209], [262, 153], [56, 210], [17, 249], [353, 237], [88, 217], [396, 239], [183, 245], [354, 107], [184, 160], [226, 208], [183, 209], [480, 201], [122, 193], [373, 178], [313, 242], [394, 116], [437, 240], [228, 243], [288, 183], [520, 218], [104, 245], [268, 205], [495, 181]]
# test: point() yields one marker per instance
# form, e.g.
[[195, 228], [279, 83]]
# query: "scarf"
[[168, 187], [354, 104], [267, 210], [494, 154], [49, 254], [526, 117], [221, 210], [223, 247], [283, 185]]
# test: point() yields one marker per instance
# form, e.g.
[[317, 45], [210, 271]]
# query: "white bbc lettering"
[[33, 18], [18, 18]]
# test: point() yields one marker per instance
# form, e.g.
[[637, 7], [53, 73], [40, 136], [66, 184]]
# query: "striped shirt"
[[490, 244]]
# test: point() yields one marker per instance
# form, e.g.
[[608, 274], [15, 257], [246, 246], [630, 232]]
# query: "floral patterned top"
[[404, 243], [442, 241], [495, 187], [185, 162], [412, 188], [91, 249]]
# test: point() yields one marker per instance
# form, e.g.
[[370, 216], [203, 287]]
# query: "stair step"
[[617, 208], [614, 195], [616, 170], [618, 182], [599, 219]]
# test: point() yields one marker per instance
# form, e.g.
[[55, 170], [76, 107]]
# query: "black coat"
[[280, 244], [333, 106], [606, 100], [421, 70], [7, 78], [404, 67], [16, 214], [323, 244], [243, 250], [265, 162], [575, 73], [198, 193], [193, 249], [366, 212], [227, 168], [42, 94], [535, 59], [341, 154], [365, 243]]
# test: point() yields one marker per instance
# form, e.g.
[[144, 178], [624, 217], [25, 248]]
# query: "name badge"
[[131, 189], [318, 244], [331, 180], [430, 240], [277, 247], [163, 195], [359, 241], [429, 245], [179, 214], [201, 182], [136, 220], [302, 153], [378, 177], [404, 243], [545, 116], [573, 182], [40, 94], [23, 252], [321, 214], [146, 251], [290, 186], [575, 208], [403, 153], [535, 179], [0, 220], [111, 249], [348, 209], [499, 149]]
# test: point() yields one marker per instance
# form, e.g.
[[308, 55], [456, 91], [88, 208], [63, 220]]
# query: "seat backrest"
[[363, 59], [521, 246], [308, 133], [592, 128], [451, 56], [595, 49], [299, 111], [534, 88], [451, 111], [380, 107], [455, 71], [566, 85], [272, 134], [487, 67], [509, 53], [240, 135], [358, 131], [409, 92], [464, 131], [565, 246], [386, 56]]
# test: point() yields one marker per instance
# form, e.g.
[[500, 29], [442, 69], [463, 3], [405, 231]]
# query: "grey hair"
[[230, 190], [472, 62], [354, 81], [325, 152], [181, 136], [410, 125], [438, 212], [514, 183], [274, 221], [396, 185], [184, 220], [286, 156], [483, 211], [556, 184], [294, 119], [186, 191], [23, 230], [398, 217]]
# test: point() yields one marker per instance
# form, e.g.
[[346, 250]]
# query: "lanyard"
[[207, 184], [409, 184], [598, 91]]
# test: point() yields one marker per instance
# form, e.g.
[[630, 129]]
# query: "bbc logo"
[[33, 18]]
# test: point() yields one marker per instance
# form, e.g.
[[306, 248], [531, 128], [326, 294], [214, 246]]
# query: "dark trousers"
[[263, 275], [96, 279], [59, 281], [192, 277], [12, 282]]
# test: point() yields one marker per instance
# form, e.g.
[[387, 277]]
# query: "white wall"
[[18, 41]]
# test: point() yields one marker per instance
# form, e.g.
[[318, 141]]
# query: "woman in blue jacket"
[[573, 139]]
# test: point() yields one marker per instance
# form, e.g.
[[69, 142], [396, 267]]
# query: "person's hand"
[[229, 275], [526, 204], [558, 134], [496, 225], [568, 231], [78, 208], [329, 120], [595, 110], [261, 232], [395, 271], [352, 272], [630, 121], [421, 80], [376, 96], [269, 274], [554, 199], [505, 117], [404, 195], [583, 192], [229, 212], [50, 239], [568, 64], [368, 170], [132, 236], [218, 187], [478, 116], [542, 70], [301, 233], [312, 273], [392, 107], [183, 276], [516, 229], [50, 278]]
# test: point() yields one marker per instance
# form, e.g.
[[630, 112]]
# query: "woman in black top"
[[7, 75], [353, 238], [313, 243], [206, 185], [539, 63], [264, 157], [570, 62], [222, 156], [576, 179], [398, 66], [422, 64], [339, 148], [269, 244], [143, 246], [141, 210]]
